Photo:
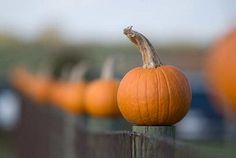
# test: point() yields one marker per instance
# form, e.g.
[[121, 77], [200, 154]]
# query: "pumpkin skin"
[[154, 94], [158, 96], [100, 98], [68, 92], [39, 90], [21, 79], [35, 87], [220, 72], [73, 97], [56, 92]]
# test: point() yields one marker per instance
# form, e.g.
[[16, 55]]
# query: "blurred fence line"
[[46, 132]]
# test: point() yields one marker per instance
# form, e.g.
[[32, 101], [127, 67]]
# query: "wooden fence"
[[46, 132]]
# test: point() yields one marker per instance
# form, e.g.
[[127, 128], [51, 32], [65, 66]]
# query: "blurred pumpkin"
[[21, 79], [72, 99], [100, 96], [55, 91], [154, 94], [39, 88], [221, 72], [34, 86], [40, 84], [69, 95]]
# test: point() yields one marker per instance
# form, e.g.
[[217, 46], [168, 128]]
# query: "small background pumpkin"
[[73, 91], [100, 97], [221, 73], [40, 84], [56, 90], [69, 95], [20, 79], [39, 89]]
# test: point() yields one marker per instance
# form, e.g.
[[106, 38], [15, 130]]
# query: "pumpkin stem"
[[78, 72], [108, 68], [149, 55]]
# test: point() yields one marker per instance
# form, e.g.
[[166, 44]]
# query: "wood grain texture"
[[153, 141], [46, 132]]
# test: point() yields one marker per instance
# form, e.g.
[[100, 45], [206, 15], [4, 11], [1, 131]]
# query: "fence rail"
[[46, 132]]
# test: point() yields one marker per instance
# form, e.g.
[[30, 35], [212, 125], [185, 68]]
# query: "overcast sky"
[[103, 20]]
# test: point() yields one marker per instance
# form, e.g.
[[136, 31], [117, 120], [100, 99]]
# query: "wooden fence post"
[[106, 124], [56, 131], [153, 141], [69, 134]]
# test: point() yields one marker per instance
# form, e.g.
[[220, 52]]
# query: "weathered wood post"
[[71, 122], [56, 132], [153, 141], [103, 137], [69, 134]]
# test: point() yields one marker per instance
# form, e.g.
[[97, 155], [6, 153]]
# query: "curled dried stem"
[[149, 55]]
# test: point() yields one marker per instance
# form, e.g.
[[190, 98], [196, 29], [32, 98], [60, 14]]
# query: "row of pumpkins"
[[71, 92], [154, 94]]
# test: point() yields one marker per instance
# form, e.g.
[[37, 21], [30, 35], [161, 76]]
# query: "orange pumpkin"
[[100, 96], [56, 88], [221, 73], [39, 89], [34, 86], [154, 94], [69, 95], [73, 97], [21, 79], [56, 92]]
